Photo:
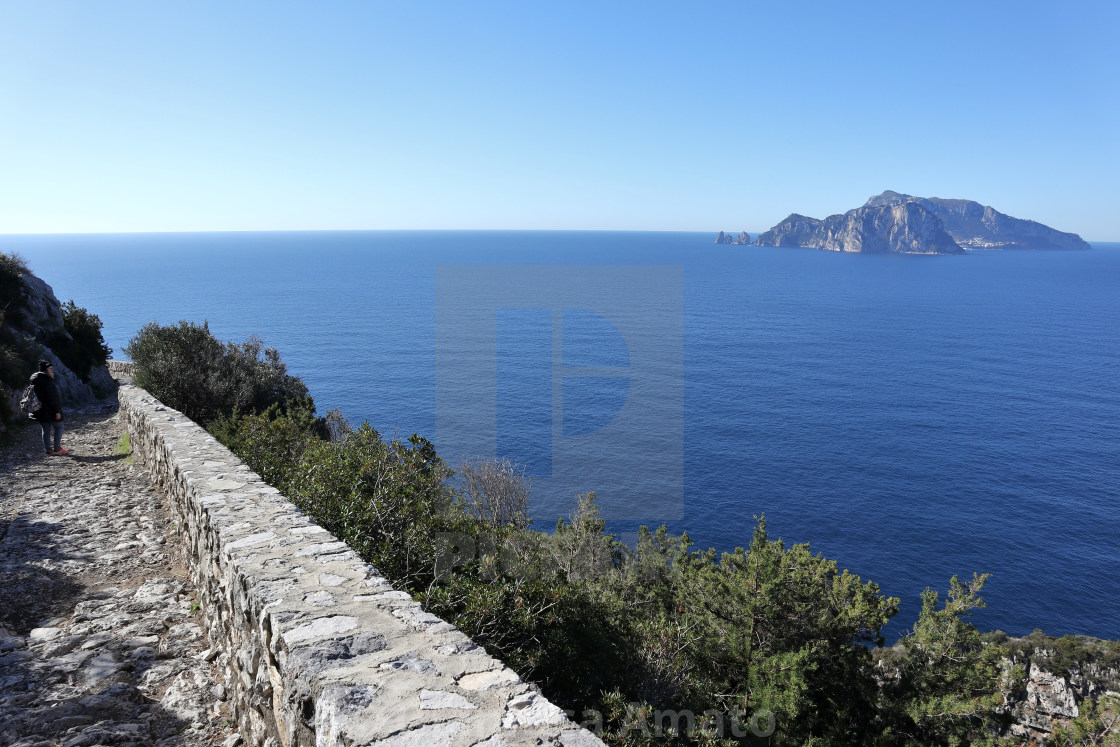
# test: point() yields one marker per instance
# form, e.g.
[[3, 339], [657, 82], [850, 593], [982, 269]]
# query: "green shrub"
[[386, 499], [17, 353], [1097, 724], [186, 368], [272, 442], [79, 344], [766, 629], [13, 295]]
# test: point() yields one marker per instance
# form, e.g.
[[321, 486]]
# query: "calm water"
[[911, 417]]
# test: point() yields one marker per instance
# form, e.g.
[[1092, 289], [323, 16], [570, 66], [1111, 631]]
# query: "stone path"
[[100, 642]]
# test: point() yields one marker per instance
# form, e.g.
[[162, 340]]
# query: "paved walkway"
[[100, 642]]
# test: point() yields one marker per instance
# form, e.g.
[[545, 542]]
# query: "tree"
[[944, 686], [768, 632], [497, 492], [80, 343]]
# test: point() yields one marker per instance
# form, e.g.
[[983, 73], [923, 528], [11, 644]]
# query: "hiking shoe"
[[61, 451]]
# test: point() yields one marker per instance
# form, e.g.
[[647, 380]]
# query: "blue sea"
[[911, 417]]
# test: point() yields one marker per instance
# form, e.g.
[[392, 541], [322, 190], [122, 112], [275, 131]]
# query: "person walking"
[[49, 413]]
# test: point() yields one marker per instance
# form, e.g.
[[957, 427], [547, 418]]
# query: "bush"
[[272, 442], [496, 492], [386, 499], [13, 296], [79, 344], [766, 629], [19, 355], [186, 368]]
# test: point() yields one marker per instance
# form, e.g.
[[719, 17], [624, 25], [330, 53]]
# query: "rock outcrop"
[[725, 238], [892, 222], [1051, 699]]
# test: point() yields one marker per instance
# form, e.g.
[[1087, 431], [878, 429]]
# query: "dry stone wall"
[[317, 648]]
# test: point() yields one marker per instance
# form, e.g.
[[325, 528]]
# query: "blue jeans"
[[48, 426]]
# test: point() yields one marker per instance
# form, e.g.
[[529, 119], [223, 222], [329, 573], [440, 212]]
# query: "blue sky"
[[152, 116]]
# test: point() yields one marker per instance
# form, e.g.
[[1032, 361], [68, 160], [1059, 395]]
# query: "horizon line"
[[363, 230], [756, 233]]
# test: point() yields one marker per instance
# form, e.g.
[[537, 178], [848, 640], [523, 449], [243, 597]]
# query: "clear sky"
[[645, 115]]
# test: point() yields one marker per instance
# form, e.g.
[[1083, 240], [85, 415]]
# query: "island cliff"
[[975, 226], [897, 223], [899, 229]]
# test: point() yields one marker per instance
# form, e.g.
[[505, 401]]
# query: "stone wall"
[[120, 369], [315, 645]]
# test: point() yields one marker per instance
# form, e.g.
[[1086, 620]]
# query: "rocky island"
[[897, 223], [725, 238]]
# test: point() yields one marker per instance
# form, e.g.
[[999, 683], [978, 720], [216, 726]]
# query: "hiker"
[[49, 413]]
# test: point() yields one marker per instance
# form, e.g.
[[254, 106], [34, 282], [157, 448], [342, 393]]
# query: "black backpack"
[[30, 402]]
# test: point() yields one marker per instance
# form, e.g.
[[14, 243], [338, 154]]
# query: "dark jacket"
[[47, 392]]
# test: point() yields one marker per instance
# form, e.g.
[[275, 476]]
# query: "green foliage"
[[182, 366], [186, 368], [946, 686], [578, 548], [79, 344], [386, 499], [765, 629], [124, 447], [272, 442], [18, 357], [555, 633], [17, 353], [1097, 724], [13, 295]]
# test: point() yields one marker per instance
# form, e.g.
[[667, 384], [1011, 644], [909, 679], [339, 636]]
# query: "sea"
[[910, 417]]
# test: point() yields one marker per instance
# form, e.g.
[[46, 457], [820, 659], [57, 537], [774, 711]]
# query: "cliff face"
[[975, 226], [898, 223], [795, 230], [895, 229], [905, 228]]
